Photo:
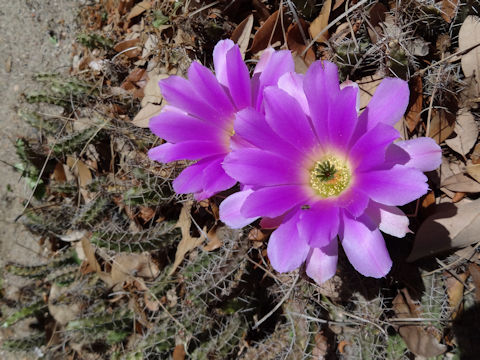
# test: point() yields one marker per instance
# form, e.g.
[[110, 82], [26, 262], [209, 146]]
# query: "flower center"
[[330, 176]]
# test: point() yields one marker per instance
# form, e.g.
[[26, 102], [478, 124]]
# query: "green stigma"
[[330, 176]]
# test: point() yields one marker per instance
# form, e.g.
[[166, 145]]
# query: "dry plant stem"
[[280, 303], [203, 8], [337, 19], [322, 321], [347, 3], [430, 107], [297, 20]]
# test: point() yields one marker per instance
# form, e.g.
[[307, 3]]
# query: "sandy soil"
[[35, 36]]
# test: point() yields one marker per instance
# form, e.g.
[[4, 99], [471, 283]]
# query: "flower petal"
[[285, 116], [238, 78], [220, 60], [365, 247], [342, 116], [208, 87], [321, 87], [369, 150], [279, 63], [354, 201], [215, 179], [180, 93], [273, 201], [319, 225], [391, 219], [286, 249], [258, 167], [271, 223], [174, 126], [187, 150], [251, 126], [230, 210], [396, 186], [189, 179], [424, 153], [292, 84], [322, 262], [388, 103]]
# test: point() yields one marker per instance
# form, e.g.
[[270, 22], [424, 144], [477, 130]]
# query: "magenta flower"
[[319, 170], [198, 122]]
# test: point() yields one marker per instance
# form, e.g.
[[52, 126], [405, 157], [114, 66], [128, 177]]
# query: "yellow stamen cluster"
[[330, 176]]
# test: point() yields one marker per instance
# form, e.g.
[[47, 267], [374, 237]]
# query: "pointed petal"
[[396, 186], [220, 60], [230, 210], [286, 117], [286, 249], [175, 127], [342, 117], [388, 103], [273, 201], [319, 225], [189, 180], [215, 179], [321, 86], [368, 152], [390, 219], [424, 153], [187, 150], [322, 262], [365, 247], [238, 79], [258, 167], [292, 84], [180, 93], [208, 87], [354, 201]]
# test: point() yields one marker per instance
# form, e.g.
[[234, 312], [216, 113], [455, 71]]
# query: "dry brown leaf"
[[296, 44], [179, 352], [475, 273], [188, 242], [467, 133], [241, 34], [73, 235], [475, 157], [321, 346], [214, 240], [337, 4], [142, 119], [139, 9], [84, 174], [414, 110], [270, 32], [126, 266], [458, 197], [63, 312], [474, 171], [321, 23], [418, 340], [146, 213], [469, 36], [441, 125], [449, 10], [455, 291], [89, 252], [152, 92], [59, 173], [451, 226], [461, 183], [127, 44]]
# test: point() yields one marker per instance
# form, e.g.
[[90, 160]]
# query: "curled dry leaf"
[[474, 171], [139, 9], [449, 10], [61, 311], [152, 92], [74, 235], [214, 240], [188, 242], [455, 291], [295, 41], [142, 119], [241, 34], [461, 183], [270, 32], [451, 226], [468, 37], [320, 23], [136, 265], [414, 110], [128, 44], [467, 133], [418, 340], [442, 124]]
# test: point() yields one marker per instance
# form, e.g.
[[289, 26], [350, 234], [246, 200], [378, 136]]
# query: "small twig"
[[203, 8], [280, 303]]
